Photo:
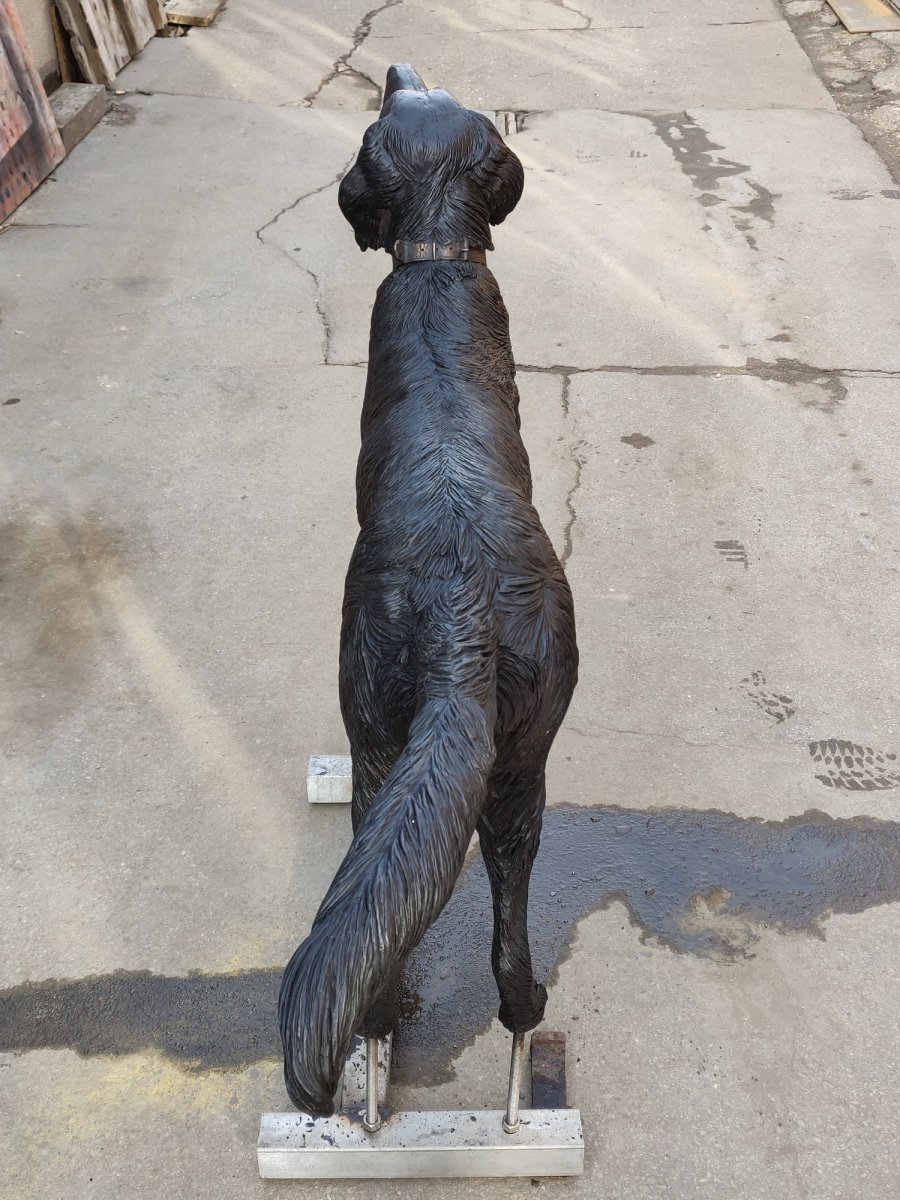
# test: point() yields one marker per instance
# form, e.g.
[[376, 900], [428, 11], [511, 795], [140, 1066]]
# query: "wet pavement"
[[703, 883], [703, 286]]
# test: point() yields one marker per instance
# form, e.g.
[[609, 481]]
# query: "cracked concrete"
[[265, 52], [327, 328], [752, 244], [645, 309], [862, 72], [568, 532], [666, 65], [702, 281], [341, 67]]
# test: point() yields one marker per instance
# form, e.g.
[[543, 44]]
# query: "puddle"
[[702, 883]]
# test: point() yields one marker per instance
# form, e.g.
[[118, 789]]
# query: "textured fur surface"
[[458, 655]]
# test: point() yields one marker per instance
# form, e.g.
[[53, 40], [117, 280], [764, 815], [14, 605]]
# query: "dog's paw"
[[520, 1018]]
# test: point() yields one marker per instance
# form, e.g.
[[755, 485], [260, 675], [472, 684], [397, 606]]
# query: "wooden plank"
[[107, 34], [157, 11], [139, 21], [85, 53], [68, 67], [34, 151], [109, 39], [866, 16], [193, 12], [97, 40], [77, 108]]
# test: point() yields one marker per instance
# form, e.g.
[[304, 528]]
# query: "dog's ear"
[[368, 189], [500, 177]]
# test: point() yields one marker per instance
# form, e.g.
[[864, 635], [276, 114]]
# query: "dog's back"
[[458, 653]]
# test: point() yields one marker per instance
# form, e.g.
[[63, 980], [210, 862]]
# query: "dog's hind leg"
[[509, 831]]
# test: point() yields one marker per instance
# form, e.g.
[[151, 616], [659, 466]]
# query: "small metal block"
[[548, 1069], [420, 1145], [329, 779]]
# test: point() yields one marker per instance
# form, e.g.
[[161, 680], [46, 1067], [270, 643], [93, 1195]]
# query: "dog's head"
[[428, 169]]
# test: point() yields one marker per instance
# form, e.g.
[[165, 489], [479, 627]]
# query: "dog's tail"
[[405, 857]]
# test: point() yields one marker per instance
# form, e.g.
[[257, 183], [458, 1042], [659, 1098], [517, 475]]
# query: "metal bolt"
[[511, 1120], [372, 1119]]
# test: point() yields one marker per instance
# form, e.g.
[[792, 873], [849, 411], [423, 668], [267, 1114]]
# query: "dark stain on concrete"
[[733, 551], [50, 613], [705, 883], [12, 400], [120, 113], [859, 470], [760, 208], [698, 158], [775, 705], [856, 768], [696, 153], [792, 372], [640, 441]]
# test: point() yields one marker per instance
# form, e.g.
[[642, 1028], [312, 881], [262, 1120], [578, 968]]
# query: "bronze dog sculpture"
[[458, 655]]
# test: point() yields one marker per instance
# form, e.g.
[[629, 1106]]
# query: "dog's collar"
[[404, 253]]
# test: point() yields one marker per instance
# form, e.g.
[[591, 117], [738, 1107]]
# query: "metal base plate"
[[420, 1145], [416, 1145]]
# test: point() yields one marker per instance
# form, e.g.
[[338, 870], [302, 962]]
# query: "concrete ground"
[[704, 292], [862, 72]]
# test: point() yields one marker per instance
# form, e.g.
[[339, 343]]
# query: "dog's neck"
[[406, 253], [443, 215]]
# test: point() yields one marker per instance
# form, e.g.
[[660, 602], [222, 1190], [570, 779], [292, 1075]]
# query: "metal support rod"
[[511, 1120], [372, 1119]]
